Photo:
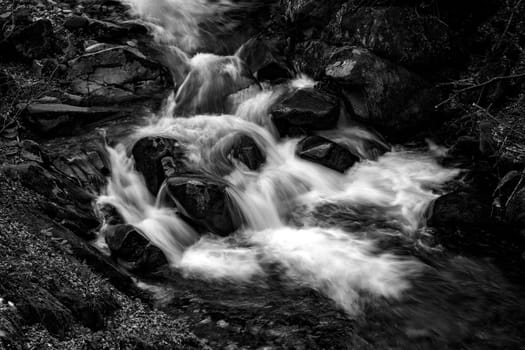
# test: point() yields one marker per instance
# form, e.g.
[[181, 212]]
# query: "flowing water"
[[291, 207]]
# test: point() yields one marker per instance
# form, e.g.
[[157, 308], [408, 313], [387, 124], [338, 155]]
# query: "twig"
[[511, 17], [515, 189], [480, 85]]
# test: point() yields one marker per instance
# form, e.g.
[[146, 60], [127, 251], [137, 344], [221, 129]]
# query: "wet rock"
[[325, 152], [63, 119], [237, 146], [388, 97], [305, 110], [156, 158], [203, 200], [76, 22], [131, 248], [400, 35], [246, 150], [116, 75], [465, 209], [310, 12], [211, 79], [32, 41], [263, 60]]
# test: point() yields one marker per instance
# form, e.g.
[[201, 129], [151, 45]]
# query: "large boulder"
[[63, 119], [305, 110], [33, 41], [461, 209], [263, 60], [325, 152], [133, 249], [117, 74], [204, 201], [388, 97], [400, 34], [156, 158]]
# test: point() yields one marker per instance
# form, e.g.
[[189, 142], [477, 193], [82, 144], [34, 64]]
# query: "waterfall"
[[277, 201]]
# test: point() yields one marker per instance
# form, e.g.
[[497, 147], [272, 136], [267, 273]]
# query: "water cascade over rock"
[[224, 183]]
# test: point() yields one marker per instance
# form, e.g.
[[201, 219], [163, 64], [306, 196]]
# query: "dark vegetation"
[[450, 71]]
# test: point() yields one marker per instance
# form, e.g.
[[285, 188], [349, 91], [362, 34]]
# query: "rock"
[[305, 110], [39, 306], [239, 146], [211, 79], [325, 152], [33, 152], [131, 248], [203, 200], [33, 41], [150, 155], [263, 61], [116, 75], [76, 22], [89, 313], [401, 35], [62, 119], [246, 150], [310, 12], [115, 33], [388, 97], [466, 209]]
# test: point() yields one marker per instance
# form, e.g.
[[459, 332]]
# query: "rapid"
[[279, 203]]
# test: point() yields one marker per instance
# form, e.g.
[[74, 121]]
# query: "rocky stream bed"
[[139, 175]]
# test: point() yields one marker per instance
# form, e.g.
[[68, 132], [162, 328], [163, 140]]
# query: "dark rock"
[[132, 249], [113, 32], [76, 22], [62, 119], [401, 35], [88, 312], [239, 146], [156, 158], [33, 41], [263, 60], [306, 109], [32, 151], [65, 200], [208, 84], [466, 209], [325, 152], [246, 150], [310, 12], [203, 200], [116, 75], [39, 306], [388, 97], [22, 15]]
